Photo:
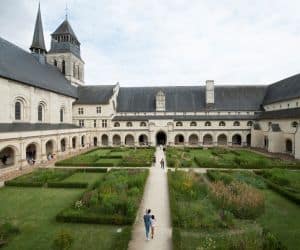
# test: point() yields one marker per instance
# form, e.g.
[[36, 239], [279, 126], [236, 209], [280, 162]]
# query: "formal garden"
[[233, 210], [223, 158], [70, 209], [112, 157]]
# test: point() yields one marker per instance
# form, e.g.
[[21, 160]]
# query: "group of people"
[[150, 223]]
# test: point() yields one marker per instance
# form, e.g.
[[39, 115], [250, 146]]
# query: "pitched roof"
[[280, 114], [285, 89], [19, 65], [190, 98], [38, 41], [65, 28], [96, 94], [17, 127]]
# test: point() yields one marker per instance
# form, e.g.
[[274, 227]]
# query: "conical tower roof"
[[38, 41]]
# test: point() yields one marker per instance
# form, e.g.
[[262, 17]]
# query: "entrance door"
[[161, 138]]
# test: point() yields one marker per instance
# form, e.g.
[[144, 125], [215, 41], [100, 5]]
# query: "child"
[[153, 224]]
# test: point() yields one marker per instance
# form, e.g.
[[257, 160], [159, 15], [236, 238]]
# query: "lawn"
[[281, 216], [223, 158], [110, 157], [33, 210]]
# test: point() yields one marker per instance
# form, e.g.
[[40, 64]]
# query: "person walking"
[[153, 224], [162, 163], [147, 222]]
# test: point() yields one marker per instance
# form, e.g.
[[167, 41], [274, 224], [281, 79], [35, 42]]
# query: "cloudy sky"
[[174, 42]]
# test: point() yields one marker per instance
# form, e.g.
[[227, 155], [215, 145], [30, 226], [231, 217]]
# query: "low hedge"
[[13, 183], [135, 164], [67, 184], [92, 170], [111, 157], [176, 239], [86, 164], [73, 216]]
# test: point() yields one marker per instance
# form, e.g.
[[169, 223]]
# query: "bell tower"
[[65, 53]]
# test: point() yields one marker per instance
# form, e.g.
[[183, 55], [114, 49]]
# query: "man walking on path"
[[147, 222]]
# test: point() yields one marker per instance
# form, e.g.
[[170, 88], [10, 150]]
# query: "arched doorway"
[[116, 140], [207, 139], [104, 140], [179, 139], [129, 140], [74, 142], [248, 140], [266, 142], [49, 150], [289, 146], [161, 138], [7, 157], [95, 140], [31, 153], [143, 140], [237, 140], [63, 145], [222, 140], [193, 139]]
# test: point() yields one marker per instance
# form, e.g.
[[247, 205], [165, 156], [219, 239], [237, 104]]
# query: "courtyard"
[[101, 209]]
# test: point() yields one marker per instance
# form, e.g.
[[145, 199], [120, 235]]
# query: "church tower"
[[38, 47], [65, 53]]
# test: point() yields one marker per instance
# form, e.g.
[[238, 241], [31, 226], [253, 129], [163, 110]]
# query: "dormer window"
[[160, 101]]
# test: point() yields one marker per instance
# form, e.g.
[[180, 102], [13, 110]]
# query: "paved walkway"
[[156, 197]]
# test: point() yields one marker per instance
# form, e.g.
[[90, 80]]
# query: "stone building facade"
[[47, 110]]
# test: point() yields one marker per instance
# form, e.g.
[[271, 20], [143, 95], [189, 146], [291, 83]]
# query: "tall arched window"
[[40, 113], [61, 115], [18, 113], [63, 67]]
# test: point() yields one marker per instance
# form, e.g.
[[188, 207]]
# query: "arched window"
[[55, 63], [249, 123], [294, 124], [18, 113], [178, 124], [61, 115], [129, 124], [116, 124], [40, 113], [193, 124], [63, 67], [236, 124], [207, 124], [222, 124], [143, 124]]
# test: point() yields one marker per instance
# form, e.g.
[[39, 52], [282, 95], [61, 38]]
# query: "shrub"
[[67, 185], [271, 242], [219, 176], [62, 241], [244, 201], [186, 163]]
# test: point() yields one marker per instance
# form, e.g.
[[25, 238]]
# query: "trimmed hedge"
[[86, 164], [67, 184], [72, 216], [92, 170], [111, 157], [176, 239], [13, 183]]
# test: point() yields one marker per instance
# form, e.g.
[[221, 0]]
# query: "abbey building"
[[47, 109]]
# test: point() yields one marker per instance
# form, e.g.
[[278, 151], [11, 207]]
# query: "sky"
[[170, 42]]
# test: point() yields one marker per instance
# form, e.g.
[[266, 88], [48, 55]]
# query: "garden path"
[[156, 197]]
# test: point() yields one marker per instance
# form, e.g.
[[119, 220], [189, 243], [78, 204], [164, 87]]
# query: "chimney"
[[210, 93]]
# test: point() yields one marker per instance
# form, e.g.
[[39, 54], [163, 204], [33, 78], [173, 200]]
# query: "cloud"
[[140, 42]]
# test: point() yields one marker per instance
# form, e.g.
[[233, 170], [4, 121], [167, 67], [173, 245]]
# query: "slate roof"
[[185, 118], [38, 41], [94, 94], [285, 89], [280, 114], [20, 127], [19, 65], [191, 98], [65, 28]]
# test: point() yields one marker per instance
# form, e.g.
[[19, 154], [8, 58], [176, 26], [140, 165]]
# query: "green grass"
[[128, 157], [223, 158], [89, 178], [33, 210]]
